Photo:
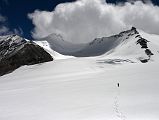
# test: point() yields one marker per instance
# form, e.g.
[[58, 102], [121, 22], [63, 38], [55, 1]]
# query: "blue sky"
[[16, 11]]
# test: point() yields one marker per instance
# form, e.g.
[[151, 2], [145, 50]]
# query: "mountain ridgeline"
[[16, 51], [132, 44], [108, 45], [128, 43]]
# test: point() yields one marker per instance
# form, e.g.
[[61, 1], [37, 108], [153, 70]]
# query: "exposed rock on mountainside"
[[129, 44], [143, 42], [16, 51], [123, 44]]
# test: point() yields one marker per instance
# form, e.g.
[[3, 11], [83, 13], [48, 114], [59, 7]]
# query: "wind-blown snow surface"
[[81, 89]]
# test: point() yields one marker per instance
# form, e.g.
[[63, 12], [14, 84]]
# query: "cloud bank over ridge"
[[83, 20]]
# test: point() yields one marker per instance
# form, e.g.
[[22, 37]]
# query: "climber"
[[118, 85]]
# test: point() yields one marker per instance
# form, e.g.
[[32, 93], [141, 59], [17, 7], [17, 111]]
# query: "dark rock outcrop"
[[143, 42], [144, 60], [148, 52], [16, 51]]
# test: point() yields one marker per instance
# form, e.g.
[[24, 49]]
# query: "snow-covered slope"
[[86, 88], [136, 47], [81, 89], [58, 44], [131, 44], [54, 54]]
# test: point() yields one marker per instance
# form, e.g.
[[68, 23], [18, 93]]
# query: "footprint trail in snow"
[[117, 109]]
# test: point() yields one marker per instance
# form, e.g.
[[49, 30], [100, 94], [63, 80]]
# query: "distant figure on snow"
[[118, 85]]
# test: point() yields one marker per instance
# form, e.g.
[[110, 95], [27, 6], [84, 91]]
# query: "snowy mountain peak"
[[124, 35], [16, 51], [58, 44], [130, 44], [133, 44], [54, 36], [130, 32]]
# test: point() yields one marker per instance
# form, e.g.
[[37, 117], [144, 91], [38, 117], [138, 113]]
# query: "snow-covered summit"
[[97, 47], [100, 46], [127, 44], [134, 45]]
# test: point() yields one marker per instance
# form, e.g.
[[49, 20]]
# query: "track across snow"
[[119, 114], [81, 89]]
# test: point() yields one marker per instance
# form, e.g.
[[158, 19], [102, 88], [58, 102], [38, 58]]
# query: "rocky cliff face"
[[16, 51]]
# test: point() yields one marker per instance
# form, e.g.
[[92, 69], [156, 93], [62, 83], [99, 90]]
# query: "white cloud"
[[3, 28], [18, 31], [2, 19], [84, 20]]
